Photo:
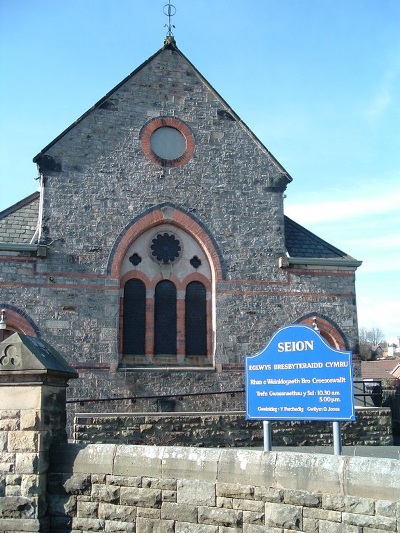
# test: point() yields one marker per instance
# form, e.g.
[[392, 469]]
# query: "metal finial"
[[169, 11]]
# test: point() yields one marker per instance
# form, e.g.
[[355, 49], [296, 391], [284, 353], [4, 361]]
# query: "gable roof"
[[18, 223], [169, 45]]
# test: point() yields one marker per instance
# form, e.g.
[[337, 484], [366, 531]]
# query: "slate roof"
[[18, 223], [302, 243], [379, 369]]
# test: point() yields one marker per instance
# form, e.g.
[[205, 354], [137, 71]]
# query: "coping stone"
[[384, 472], [190, 463], [309, 472], [81, 459], [252, 467], [138, 461]]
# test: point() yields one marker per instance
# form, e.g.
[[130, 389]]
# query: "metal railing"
[[369, 393]]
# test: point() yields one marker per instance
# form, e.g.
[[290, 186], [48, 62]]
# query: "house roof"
[[300, 242], [18, 223], [396, 371], [380, 370]]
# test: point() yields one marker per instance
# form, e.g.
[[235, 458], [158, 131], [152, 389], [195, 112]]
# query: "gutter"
[[40, 249], [287, 262]]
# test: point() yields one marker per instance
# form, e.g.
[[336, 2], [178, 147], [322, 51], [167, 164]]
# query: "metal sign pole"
[[337, 439], [267, 435]]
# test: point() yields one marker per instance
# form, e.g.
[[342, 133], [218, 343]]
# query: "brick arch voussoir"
[[329, 331], [155, 218], [134, 275], [19, 321], [197, 277]]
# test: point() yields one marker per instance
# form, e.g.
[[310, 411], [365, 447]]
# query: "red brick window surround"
[[167, 141]]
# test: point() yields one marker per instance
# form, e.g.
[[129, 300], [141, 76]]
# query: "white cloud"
[[350, 205], [382, 99], [379, 314]]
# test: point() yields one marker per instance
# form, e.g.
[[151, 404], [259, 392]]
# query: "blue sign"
[[298, 376]]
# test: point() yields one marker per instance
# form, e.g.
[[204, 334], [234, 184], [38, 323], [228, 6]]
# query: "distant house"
[[396, 372], [392, 349]]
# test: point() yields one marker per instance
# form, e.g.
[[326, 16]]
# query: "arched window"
[[196, 319], [165, 328], [134, 315], [166, 312]]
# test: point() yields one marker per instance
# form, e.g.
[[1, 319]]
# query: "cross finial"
[[169, 11]]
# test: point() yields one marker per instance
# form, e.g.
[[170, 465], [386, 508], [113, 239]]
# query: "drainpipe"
[[37, 237]]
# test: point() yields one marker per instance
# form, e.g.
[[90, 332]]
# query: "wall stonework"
[[224, 430], [170, 489]]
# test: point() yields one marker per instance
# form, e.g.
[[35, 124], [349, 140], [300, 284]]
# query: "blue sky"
[[318, 81]]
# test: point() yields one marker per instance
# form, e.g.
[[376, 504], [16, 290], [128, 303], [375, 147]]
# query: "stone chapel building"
[[156, 253]]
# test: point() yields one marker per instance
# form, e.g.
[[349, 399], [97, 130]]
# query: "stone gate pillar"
[[33, 382]]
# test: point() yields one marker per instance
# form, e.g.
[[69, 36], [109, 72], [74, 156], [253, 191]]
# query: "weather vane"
[[169, 11]]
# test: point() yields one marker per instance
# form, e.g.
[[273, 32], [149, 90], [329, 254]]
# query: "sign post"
[[298, 376]]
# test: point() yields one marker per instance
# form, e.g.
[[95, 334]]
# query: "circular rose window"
[[167, 141], [165, 248]]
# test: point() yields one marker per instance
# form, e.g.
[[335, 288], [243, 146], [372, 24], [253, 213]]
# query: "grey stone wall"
[[182, 490], [225, 430]]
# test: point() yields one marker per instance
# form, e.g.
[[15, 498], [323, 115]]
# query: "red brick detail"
[[332, 336], [121, 327], [209, 331], [133, 274], [257, 282], [179, 219], [149, 335], [197, 277], [232, 367], [18, 323], [288, 293], [181, 332], [170, 122], [58, 286], [310, 272]]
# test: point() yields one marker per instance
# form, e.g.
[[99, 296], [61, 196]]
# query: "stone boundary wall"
[[145, 489], [372, 428]]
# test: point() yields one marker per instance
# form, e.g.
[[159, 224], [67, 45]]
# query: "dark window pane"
[[134, 317], [196, 319], [165, 318]]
